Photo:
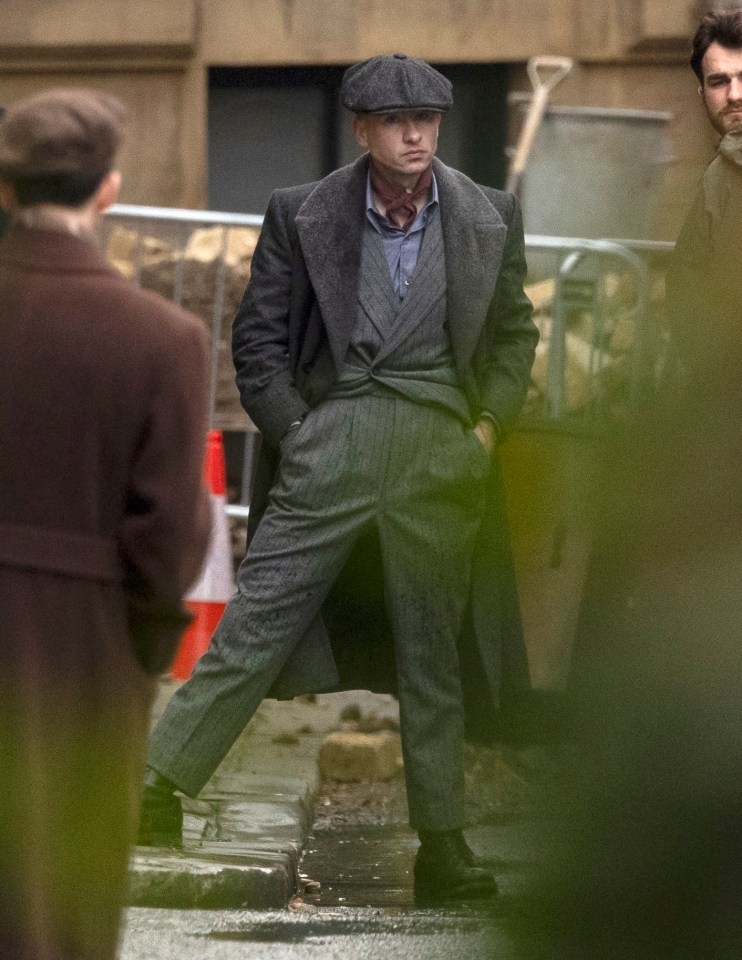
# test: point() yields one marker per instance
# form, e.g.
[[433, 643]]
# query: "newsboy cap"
[[386, 84], [73, 132]]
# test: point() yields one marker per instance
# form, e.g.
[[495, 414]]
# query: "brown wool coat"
[[103, 526]]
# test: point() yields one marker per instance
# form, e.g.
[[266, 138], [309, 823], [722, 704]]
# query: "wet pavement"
[[363, 910], [244, 834], [361, 866], [344, 933], [371, 865], [352, 894]]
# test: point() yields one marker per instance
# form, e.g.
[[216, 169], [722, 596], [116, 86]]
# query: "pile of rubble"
[[605, 347], [205, 271]]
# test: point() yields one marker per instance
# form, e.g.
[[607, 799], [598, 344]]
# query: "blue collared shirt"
[[401, 247]]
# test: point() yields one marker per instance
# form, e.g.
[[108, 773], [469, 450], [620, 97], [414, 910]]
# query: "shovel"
[[545, 73]]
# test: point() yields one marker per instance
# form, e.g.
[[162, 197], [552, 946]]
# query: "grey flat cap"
[[386, 84]]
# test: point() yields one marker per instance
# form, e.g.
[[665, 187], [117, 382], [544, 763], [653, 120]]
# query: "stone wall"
[[156, 57]]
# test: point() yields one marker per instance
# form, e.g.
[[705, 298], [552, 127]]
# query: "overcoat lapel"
[[330, 227], [474, 237]]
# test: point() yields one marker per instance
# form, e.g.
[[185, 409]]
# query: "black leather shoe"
[[161, 815], [443, 874]]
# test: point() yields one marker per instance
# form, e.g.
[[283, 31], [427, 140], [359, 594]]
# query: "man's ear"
[[7, 197], [359, 131], [108, 191]]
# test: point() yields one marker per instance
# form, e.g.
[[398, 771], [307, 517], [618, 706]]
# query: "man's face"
[[722, 87], [401, 144]]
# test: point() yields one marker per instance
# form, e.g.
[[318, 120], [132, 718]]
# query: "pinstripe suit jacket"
[[290, 337]]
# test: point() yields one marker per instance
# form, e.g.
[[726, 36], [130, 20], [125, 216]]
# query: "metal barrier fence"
[[198, 259], [599, 308], [592, 300]]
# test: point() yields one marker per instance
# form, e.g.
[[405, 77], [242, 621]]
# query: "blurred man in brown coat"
[[103, 525]]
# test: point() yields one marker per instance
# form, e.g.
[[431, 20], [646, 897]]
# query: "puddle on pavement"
[[361, 866], [365, 875], [370, 866]]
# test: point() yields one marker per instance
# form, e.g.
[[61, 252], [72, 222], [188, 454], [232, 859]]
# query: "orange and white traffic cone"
[[209, 595]]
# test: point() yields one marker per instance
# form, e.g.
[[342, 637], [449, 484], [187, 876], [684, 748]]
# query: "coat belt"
[[66, 552]]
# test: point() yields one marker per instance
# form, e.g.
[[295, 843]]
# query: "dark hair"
[[69, 190], [721, 26]]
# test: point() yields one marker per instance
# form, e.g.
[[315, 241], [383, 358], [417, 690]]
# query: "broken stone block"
[[541, 295], [587, 371], [205, 270], [352, 757]]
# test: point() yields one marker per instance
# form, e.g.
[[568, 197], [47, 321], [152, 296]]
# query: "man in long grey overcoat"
[[104, 521], [383, 347]]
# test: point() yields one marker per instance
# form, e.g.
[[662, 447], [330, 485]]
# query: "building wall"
[[336, 31], [89, 28], [151, 158], [156, 57], [145, 53]]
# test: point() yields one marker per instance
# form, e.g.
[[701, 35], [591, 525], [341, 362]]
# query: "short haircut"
[[721, 26], [69, 190]]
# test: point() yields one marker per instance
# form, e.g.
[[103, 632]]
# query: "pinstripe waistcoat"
[[402, 346]]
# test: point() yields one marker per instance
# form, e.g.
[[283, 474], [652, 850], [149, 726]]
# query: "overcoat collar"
[[731, 147], [52, 251], [474, 239], [330, 227]]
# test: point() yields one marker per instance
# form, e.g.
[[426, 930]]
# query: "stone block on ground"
[[257, 881], [351, 756]]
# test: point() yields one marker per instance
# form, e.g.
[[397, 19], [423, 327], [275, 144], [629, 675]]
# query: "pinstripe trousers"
[[417, 473]]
